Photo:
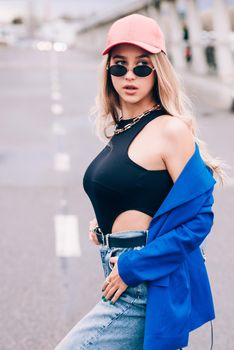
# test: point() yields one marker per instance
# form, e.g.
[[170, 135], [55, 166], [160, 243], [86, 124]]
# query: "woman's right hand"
[[92, 235]]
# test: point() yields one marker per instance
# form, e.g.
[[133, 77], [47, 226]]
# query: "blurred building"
[[198, 39]]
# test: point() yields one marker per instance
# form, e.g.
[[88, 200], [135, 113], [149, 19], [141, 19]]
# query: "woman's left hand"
[[116, 286]]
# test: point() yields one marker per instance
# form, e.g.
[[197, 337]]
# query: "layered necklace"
[[135, 119]]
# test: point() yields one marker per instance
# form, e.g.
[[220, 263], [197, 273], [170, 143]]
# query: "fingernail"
[[104, 299], [111, 302]]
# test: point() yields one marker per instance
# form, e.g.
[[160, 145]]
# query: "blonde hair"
[[170, 91]]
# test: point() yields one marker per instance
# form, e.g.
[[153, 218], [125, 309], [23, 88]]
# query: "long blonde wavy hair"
[[170, 91]]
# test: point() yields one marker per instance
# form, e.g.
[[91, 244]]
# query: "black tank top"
[[115, 183]]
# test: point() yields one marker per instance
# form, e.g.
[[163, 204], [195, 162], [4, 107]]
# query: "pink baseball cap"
[[138, 30]]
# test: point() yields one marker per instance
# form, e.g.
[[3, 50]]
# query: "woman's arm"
[[178, 145], [163, 255]]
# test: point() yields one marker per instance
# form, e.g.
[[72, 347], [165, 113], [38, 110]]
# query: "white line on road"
[[62, 161], [67, 236], [57, 108]]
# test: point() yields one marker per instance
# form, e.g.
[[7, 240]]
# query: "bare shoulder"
[[178, 145], [174, 128], [176, 131]]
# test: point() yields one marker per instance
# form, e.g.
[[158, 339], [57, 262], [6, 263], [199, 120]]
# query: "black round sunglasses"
[[119, 70]]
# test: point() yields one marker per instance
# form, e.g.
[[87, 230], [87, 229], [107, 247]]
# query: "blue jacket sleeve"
[[164, 254]]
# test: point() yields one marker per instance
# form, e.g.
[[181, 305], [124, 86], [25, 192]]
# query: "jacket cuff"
[[124, 270]]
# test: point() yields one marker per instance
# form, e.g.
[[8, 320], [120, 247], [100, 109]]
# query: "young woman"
[[151, 190]]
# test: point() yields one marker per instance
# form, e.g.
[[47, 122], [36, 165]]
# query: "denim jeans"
[[116, 327]]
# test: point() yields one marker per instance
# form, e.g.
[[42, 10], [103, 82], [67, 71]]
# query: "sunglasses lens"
[[117, 70], [142, 71]]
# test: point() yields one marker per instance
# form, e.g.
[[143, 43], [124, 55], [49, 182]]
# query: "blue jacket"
[[179, 296]]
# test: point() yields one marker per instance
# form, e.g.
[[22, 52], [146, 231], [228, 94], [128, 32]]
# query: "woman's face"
[[128, 55]]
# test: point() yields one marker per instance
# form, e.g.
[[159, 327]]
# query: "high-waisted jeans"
[[111, 327]]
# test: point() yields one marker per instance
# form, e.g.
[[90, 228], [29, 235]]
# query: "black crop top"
[[115, 183]]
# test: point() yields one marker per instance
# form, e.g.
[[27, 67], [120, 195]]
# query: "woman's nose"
[[130, 74]]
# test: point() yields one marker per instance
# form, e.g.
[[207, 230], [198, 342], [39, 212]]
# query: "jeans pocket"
[[131, 293], [114, 252]]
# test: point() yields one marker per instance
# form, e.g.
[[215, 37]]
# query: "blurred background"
[[51, 274]]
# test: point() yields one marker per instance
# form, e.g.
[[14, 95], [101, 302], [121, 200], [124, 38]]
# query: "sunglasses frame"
[[141, 76]]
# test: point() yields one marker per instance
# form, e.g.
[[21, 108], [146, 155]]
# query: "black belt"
[[121, 240]]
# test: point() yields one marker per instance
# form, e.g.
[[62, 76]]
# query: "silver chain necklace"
[[136, 119]]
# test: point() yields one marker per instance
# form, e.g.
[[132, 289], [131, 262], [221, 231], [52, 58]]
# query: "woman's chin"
[[131, 99]]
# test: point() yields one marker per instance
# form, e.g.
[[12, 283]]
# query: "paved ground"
[[44, 152]]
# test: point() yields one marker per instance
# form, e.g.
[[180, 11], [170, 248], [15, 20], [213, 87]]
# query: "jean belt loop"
[[107, 240], [147, 231]]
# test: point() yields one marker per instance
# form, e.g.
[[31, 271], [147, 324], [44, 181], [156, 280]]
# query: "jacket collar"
[[195, 179]]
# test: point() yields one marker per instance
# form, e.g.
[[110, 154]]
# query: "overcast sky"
[[12, 8]]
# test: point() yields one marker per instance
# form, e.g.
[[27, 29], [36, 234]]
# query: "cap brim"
[[144, 46]]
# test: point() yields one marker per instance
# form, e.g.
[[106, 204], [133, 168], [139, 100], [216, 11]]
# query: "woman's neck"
[[129, 111]]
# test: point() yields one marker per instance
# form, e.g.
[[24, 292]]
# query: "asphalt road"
[[46, 143]]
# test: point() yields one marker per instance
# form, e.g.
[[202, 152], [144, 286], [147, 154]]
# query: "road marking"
[[67, 236], [62, 161], [57, 108], [58, 129]]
